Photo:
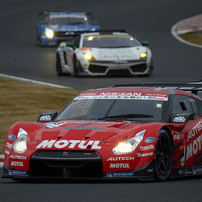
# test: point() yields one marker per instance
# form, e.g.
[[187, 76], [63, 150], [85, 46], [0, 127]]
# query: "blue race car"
[[55, 27]]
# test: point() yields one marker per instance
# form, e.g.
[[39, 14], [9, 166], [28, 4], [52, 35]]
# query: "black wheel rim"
[[163, 156]]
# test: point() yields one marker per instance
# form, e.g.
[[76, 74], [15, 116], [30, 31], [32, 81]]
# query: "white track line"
[[33, 81]]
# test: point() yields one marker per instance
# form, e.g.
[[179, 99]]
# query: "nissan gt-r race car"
[[104, 53], [54, 27], [109, 133]]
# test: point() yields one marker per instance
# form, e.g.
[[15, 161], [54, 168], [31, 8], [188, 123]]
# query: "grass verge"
[[193, 37], [22, 101]]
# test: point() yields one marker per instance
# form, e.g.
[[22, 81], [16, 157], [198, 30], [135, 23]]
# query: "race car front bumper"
[[58, 172], [102, 68]]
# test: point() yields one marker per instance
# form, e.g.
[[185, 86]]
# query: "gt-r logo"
[[71, 144]]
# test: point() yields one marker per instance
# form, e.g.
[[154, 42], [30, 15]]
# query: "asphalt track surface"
[[174, 62]]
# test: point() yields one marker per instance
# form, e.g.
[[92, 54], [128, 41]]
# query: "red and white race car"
[[117, 132]]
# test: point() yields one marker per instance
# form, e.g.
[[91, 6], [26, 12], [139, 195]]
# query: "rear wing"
[[194, 88]]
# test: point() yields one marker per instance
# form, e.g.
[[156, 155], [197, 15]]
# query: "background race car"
[[107, 52], [117, 132], [54, 27]]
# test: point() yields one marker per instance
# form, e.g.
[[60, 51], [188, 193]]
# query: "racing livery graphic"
[[104, 52], [123, 131], [55, 27]]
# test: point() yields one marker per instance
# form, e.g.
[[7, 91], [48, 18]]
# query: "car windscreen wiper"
[[125, 116]]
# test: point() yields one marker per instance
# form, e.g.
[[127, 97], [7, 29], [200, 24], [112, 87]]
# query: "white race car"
[[104, 53]]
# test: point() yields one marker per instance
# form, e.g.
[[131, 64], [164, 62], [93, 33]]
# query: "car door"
[[186, 109]]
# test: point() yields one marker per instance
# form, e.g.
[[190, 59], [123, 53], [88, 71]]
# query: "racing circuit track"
[[174, 62]]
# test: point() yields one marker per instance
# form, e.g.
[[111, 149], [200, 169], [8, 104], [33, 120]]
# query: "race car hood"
[[85, 130], [111, 54], [62, 28]]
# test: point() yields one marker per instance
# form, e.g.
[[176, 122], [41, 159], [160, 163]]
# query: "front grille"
[[72, 164], [119, 72], [60, 33], [97, 68], [138, 68]]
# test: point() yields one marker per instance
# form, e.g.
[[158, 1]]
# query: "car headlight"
[[88, 56], [49, 33], [143, 55], [20, 144], [129, 145]]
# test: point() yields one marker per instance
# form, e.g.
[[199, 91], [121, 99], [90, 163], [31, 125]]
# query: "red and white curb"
[[185, 26], [1, 160]]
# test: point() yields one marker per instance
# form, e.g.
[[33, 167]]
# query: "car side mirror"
[[71, 45], [182, 118], [47, 116], [145, 43]]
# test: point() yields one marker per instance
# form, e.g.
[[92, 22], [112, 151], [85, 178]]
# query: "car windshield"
[[110, 41], [112, 109], [68, 20]]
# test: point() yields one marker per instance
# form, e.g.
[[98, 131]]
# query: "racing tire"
[[77, 68], [58, 66], [163, 156]]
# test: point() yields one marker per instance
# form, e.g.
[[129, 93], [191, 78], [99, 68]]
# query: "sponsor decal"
[[121, 158], [120, 94], [158, 105], [11, 137], [179, 119], [197, 170], [45, 118], [65, 153], [144, 148], [101, 122], [119, 174], [9, 145], [82, 144], [119, 165], [144, 154], [150, 140], [6, 152], [188, 171], [17, 157], [17, 163], [17, 172], [194, 147], [91, 128], [177, 137], [54, 124], [194, 130], [123, 95], [181, 172]]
